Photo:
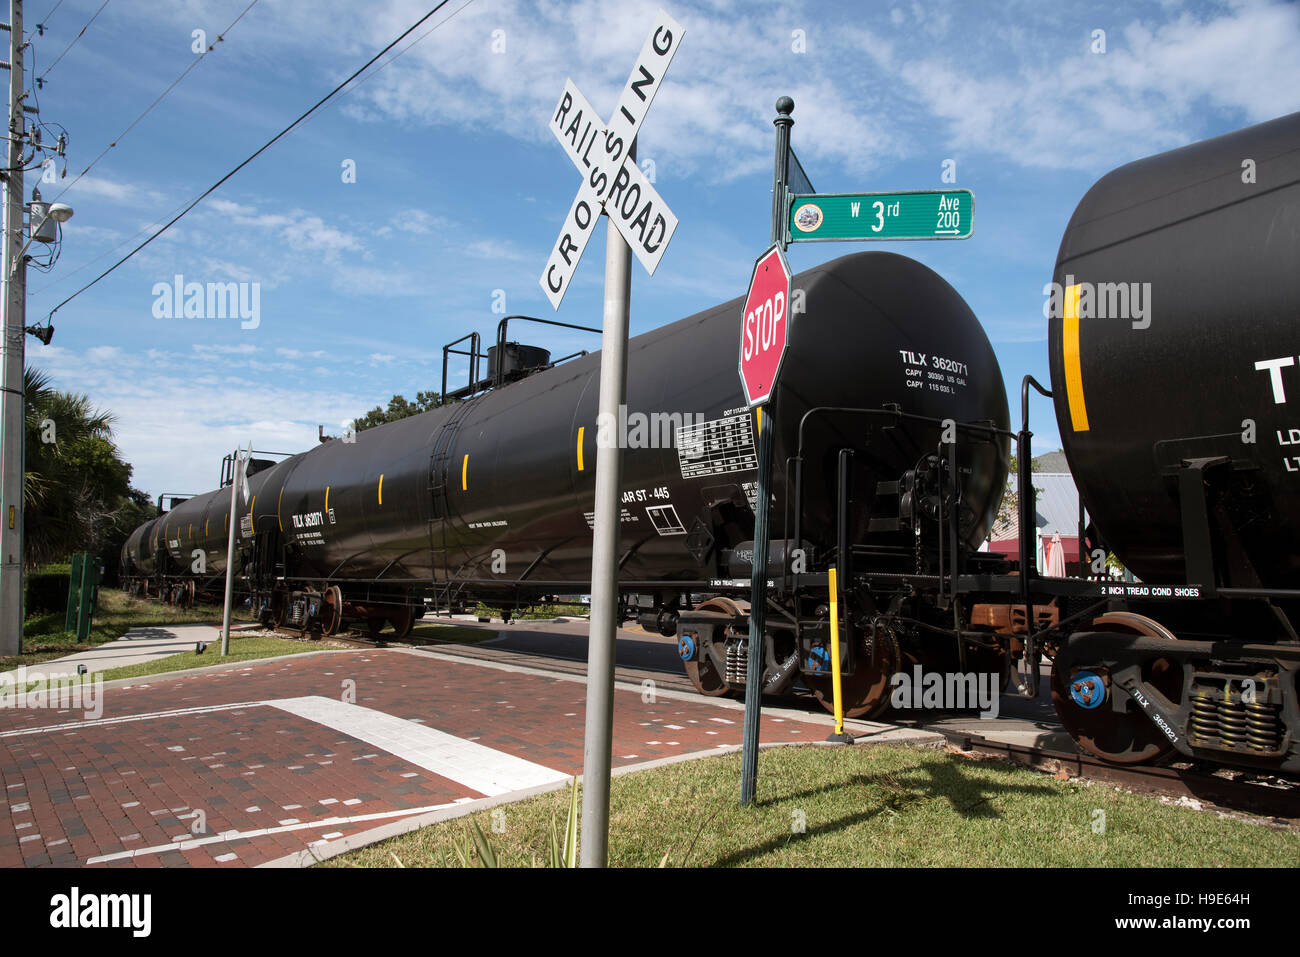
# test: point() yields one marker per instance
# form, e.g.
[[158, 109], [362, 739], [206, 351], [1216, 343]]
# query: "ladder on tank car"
[[439, 463]]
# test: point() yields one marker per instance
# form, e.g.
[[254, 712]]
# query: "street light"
[[49, 212]]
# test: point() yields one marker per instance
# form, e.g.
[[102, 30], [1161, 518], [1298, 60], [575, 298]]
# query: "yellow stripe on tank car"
[[759, 410], [464, 474], [278, 520], [327, 499], [381, 488], [1073, 366], [581, 429], [250, 508]]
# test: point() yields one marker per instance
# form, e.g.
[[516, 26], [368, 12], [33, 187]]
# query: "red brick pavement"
[[72, 792]]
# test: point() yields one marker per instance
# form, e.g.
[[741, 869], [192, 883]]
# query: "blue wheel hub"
[[1087, 690], [686, 647], [819, 661]]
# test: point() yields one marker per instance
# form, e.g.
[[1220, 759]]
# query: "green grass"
[[535, 613], [241, 649], [862, 807], [44, 636]]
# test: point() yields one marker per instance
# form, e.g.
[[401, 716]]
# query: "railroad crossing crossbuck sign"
[[765, 326], [610, 177]]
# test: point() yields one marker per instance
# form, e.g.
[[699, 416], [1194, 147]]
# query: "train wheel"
[[704, 673], [332, 611], [1127, 737], [866, 691]]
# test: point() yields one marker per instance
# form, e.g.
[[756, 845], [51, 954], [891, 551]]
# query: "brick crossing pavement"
[[241, 766]]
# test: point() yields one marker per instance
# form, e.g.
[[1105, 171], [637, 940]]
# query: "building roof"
[[1057, 506], [1053, 462]]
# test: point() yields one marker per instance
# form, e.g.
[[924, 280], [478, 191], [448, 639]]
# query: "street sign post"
[[764, 333], [763, 339], [921, 214], [638, 221]]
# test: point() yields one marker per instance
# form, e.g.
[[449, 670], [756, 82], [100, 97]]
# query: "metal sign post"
[[765, 303], [239, 478], [641, 222]]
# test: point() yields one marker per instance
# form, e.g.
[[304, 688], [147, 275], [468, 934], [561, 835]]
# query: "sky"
[[430, 192]]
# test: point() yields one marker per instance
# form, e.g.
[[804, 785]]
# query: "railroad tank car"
[[1173, 354], [435, 496], [1182, 346]]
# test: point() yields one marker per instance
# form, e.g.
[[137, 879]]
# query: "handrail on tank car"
[[891, 410], [498, 373], [228, 463], [1025, 520], [474, 354]]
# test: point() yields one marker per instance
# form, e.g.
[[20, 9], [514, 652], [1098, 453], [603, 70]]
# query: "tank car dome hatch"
[[517, 361]]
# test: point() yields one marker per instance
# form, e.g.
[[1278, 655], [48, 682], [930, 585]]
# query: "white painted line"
[[262, 832], [98, 722], [484, 769]]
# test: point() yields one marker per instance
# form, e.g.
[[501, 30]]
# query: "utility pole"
[[13, 300]]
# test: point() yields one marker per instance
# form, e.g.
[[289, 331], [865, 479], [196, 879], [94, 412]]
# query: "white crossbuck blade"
[[610, 179]]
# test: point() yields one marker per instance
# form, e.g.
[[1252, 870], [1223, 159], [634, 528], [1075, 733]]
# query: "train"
[[1170, 320]]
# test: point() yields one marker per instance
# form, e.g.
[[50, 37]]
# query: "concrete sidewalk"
[[136, 646]]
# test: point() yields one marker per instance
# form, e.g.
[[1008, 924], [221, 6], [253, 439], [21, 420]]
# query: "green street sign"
[[920, 214]]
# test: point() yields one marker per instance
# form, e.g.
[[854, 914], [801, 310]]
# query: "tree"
[[1010, 504], [77, 493], [398, 408]]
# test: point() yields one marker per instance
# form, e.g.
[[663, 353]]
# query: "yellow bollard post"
[[838, 734]]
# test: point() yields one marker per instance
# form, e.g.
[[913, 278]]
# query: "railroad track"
[[1261, 793]]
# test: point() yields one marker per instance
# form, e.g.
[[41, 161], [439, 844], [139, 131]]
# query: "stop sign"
[[764, 326]]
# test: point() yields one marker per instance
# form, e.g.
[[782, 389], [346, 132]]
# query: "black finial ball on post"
[[785, 106]]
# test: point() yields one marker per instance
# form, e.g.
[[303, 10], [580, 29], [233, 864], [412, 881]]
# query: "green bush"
[[47, 589]]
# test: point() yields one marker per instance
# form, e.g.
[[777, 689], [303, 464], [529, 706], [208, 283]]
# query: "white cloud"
[[174, 425], [1070, 108], [103, 354], [243, 349]]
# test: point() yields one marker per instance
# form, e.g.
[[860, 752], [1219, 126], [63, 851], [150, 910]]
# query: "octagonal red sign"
[[764, 329]]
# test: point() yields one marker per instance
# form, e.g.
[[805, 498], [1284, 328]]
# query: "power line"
[[79, 35], [269, 143], [420, 39], [45, 20], [141, 232], [161, 96]]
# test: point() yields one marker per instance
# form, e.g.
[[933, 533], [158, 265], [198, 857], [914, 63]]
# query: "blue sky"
[[460, 188]]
